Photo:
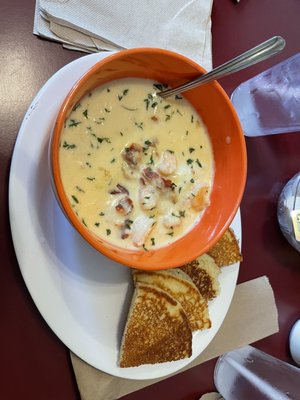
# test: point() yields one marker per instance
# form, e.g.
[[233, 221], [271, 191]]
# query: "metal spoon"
[[258, 53]]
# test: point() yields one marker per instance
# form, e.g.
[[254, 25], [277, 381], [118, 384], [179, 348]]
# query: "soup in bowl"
[[150, 182]]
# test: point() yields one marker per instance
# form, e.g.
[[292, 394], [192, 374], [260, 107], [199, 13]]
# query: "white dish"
[[82, 295]]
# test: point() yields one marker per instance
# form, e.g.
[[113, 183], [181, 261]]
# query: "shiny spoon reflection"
[[258, 53]]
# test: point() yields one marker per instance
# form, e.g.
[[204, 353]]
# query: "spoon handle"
[[258, 53]]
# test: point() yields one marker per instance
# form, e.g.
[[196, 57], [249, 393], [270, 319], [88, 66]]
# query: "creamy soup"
[[137, 169]]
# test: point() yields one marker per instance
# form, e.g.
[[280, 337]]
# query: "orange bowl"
[[226, 136]]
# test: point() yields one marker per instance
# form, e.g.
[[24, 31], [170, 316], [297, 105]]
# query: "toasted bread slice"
[[204, 273], [157, 329], [178, 285], [227, 250]]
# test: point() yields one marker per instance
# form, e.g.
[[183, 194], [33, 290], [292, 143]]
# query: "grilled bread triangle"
[[157, 329], [204, 273], [179, 285], [227, 250]]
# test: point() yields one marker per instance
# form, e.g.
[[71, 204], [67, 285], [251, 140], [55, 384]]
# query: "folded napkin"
[[92, 25], [252, 316]]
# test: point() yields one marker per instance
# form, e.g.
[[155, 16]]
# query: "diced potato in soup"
[[137, 169]]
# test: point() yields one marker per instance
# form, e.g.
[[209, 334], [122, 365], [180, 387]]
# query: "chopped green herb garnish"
[[181, 214], [107, 110], [75, 199], [147, 101], [90, 178], [192, 119], [152, 241], [73, 122], [170, 233], [68, 146], [151, 161], [85, 113], [121, 133], [160, 86], [108, 90], [178, 112], [145, 248], [99, 121], [79, 189], [113, 160], [76, 106], [189, 161], [108, 232], [139, 125], [83, 221], [192, 180], [167, 106], [97, 224], [191, 149], [104, 139], [199, 163], [168, 116], [127, 223], [125, 92], [101, 214]]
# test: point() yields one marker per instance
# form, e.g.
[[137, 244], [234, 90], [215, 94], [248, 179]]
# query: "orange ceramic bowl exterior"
[[227, 139]]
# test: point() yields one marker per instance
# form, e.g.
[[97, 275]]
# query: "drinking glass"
[[269, 103], [248, 373]]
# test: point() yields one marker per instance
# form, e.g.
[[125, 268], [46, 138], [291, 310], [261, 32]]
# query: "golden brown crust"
[[204, 273], [179, 286], [157, 329], [160, 321], [227, 250]]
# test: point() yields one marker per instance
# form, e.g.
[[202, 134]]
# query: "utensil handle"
[[258, 53]]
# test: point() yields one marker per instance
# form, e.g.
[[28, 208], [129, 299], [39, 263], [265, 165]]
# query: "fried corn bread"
[[157, 329], [179, 285], [227, 250], [204, 273]]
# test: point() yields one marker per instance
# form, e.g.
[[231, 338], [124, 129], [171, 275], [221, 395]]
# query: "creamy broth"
[[136, 168]]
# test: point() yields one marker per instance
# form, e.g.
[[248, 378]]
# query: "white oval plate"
[[83, 296]]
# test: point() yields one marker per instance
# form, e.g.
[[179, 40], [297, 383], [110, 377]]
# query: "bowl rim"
[[132, 258]]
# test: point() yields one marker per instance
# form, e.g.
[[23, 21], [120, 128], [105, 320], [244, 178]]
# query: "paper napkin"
[[252, 316], [183, 26]]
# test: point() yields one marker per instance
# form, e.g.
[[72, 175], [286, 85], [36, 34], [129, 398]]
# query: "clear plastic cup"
[[249, 373], [269, 103]]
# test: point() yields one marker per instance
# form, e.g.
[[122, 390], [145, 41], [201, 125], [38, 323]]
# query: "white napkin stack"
[[105, 25]]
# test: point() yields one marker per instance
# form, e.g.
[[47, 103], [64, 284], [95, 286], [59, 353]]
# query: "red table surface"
[[34, 363]]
